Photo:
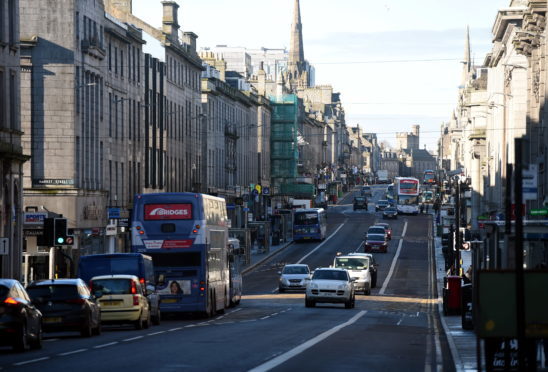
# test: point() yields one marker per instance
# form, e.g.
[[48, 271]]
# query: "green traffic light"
[[60, 240]]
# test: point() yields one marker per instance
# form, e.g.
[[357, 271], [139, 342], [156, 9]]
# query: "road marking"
[[50, 340], [133, 338], [325, 241], [265, 317], [274, 314], [227, 322], [156, 333], [190, 326], [359, 246], [273, 363], [174, 329], [72, 352], [394, 260], [399, 322], [30, 361], [105, 345], [248, 321]]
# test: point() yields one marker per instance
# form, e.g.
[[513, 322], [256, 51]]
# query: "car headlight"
[[313, 286], [342, 287]]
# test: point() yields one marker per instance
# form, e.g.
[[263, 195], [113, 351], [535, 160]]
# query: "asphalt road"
[[396, 328]]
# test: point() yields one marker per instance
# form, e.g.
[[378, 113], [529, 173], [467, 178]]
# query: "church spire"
[[467, 61], [296, 53]]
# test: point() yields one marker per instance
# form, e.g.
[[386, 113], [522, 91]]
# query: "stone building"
[[408, 140], [12, 155]]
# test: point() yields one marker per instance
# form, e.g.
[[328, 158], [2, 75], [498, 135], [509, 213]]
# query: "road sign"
[[4, 246], [266, 190], [530, 182], [539, 212]]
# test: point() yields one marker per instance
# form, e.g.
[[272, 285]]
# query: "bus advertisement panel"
[[186, 234], [309, 224], [407, 195]]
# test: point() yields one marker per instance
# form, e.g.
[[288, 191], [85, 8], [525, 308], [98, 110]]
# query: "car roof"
[[329, 268], [8, 282], [56, 282], [116, 276], [375, 227], [382, 224], [295, 265], [352, 255]]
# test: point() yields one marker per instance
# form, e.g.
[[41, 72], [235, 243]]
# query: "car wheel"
[[139, 323], [86, 330], [37, 342], [309, 303], [354, 301], [156, 319], [147, 321], [368, 292], [281, 290], [348, 304], [20, 343], [98, 330], [374, 282]]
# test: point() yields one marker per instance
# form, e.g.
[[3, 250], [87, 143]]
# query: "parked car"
[[122, 300], [387, 228], [378, 230], [66, 305], [390, 213], [294, 276], [373, 266], [360, 202], [330, 285], [376, 242], [359, 269], [381, 205], [136, 264], [366, 191], [20, 320]]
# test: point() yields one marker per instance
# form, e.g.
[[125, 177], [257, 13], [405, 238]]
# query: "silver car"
[[359, 269], [330, 285], [294, 276]]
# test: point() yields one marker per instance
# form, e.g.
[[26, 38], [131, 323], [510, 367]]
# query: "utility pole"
[[524, 361], [458, 241]]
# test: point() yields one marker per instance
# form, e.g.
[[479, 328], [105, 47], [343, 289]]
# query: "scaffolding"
[[284, 141]]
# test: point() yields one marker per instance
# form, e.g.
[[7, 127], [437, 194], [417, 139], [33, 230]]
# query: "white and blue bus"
[[309, 224], [186, 234]]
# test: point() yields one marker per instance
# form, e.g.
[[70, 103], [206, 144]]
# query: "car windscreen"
[[330, 275], [97, 266], [383, 202], [305, 218], [353, 263], [375, 237], [295, 270], [112, 286], [53, 292], [391, 209], [376, 230], [359, 199], [4, 292]]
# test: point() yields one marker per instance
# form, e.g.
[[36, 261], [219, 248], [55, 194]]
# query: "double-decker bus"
[[309, 224], [186, 234], [429, 177], [407, 195]]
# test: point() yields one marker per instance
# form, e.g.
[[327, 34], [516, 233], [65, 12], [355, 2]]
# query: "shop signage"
[[110, 230], [539, 212], [52, 182], [530, 182], [35, 218]]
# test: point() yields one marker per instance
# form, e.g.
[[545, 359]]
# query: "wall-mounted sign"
[[35, 218], [52, 182]]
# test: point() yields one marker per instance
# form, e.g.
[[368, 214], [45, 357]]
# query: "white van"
[[359, 268]]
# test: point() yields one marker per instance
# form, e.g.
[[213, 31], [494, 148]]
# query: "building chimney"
[[170, 23], [190, 39]]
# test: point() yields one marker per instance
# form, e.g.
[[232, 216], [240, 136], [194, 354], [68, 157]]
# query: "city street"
[[395, 328]]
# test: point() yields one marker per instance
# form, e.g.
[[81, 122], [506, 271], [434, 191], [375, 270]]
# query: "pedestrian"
[[427, 207], [421, 208]]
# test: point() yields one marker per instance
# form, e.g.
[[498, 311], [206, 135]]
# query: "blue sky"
[[365, 49]]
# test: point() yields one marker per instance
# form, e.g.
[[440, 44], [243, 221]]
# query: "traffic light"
[[60, 231]]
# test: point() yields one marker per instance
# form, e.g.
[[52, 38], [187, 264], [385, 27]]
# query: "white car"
[[295, 276], [359, 268], [330, 285]]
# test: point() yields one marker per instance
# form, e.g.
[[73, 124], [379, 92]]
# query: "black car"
[[66, 305], [381, 205], [390, 213], [360, 202], [20, 320]]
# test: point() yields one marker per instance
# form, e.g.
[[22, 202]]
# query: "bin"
[[452, 295]]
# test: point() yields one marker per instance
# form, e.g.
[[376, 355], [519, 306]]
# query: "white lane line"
[[156, 333], [394, 260], [132, 338], [359, 246], [190, 326], [401, 320], [72, 352], [275, 314], [265, 317], [325, 241], [248, 321], [50, 340], [273, 363], [105, 345], [174, 329], [227, 322], [30, 361]]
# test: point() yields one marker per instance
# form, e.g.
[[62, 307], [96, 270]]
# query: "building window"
[[13, 101], [12, 9], [77, 27], [2, 21], [109, 56], [121, 62], [2, 101], [115, 60], [122, 123], [110, 114], [115, 116]]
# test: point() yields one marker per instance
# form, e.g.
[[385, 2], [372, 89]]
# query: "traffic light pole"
[[458, 240]]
